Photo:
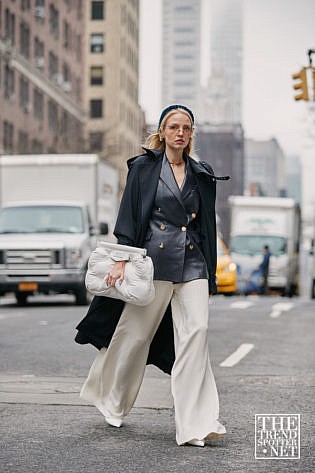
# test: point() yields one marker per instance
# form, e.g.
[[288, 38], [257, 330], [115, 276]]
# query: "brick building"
[[41, 67], [69, 78]]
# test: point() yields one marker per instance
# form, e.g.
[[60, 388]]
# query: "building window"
[[9, 83], [8, 137], [38, 105], [97, 43], [54, 21], [39, 10], [53, 66], [78, 88], [24, 40], [96, 141], [67, 2], [97, 10], [9, 26], [66, 73], [25, 4], [65, 125], [96, 108], [66, 35], [24, 94], [52, 116], [23, 142], [37, 147], [78, 47], [96, 75], [39, 53], [79, 9]]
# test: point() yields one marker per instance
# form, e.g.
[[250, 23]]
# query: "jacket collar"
[[198, 167], [154, 154]]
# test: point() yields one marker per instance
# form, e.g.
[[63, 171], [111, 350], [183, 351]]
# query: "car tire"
[[21, 298]]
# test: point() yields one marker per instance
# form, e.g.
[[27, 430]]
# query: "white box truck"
[[272, 221], [52, 207]]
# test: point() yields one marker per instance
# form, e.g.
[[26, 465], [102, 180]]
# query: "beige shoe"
[[196, 442], [114, 421]]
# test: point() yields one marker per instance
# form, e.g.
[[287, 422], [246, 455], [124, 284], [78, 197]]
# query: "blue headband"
[[175, 107]]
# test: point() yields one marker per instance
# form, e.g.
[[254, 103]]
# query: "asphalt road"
[[262, 352]]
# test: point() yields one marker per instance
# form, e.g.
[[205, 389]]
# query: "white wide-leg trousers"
[[116, 374]]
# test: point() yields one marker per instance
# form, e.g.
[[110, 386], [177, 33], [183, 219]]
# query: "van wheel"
[[82, 297], [293, 290], [21, 298]]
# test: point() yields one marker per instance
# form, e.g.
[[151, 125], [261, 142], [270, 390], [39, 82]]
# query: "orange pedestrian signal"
[[302, 85]]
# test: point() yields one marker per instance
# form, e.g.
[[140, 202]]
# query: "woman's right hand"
[[117, 273]]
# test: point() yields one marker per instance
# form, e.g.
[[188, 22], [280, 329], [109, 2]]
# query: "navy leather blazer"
[[173, 239], [138, 202]]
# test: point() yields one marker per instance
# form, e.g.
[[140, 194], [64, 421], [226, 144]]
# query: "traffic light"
[[302, 85]]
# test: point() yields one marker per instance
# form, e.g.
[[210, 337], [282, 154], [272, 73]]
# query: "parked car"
[[226, 270]]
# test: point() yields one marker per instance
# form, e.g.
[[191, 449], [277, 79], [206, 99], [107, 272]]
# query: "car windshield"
[[41, 219], [252, 244]]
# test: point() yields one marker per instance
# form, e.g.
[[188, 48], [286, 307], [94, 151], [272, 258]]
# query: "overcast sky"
[[277, 34]]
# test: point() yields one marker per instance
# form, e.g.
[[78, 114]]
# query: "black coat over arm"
[[137, 202]]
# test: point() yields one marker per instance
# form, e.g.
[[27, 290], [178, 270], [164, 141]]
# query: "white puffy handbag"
[[137, 286]]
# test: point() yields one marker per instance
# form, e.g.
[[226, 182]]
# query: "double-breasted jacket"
[[132, 226]]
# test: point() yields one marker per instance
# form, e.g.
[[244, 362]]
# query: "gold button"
[[191, 247], [162, 227], [193, 215], [184, 229], [161, 245]]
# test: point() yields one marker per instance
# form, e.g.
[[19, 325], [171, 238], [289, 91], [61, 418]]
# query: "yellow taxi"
[[226, 270]]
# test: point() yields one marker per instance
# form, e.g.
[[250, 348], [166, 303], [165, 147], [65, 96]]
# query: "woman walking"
[[168, 207]]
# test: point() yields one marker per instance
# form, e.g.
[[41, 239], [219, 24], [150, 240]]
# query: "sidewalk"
[[28, 389]]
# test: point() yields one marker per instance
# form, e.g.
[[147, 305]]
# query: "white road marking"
[[10, 315], [241, 304], [280, 307], [237, 355], [43, 322]]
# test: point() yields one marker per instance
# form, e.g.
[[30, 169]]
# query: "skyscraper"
[[181, 52], [223, 98]]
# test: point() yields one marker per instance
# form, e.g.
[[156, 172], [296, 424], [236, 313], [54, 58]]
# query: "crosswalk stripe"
[[237, 355], [241, 304]]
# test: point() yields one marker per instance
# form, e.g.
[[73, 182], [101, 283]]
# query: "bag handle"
[[123, 248]]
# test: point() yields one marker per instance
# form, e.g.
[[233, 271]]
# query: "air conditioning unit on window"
[[58, 78], [28, 107], [39, 61], [12, 98], [40, 12], [67, 86]]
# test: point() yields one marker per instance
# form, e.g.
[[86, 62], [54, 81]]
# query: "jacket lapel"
[[168, 178]]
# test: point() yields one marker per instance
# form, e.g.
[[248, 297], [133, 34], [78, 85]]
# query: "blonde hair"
[[154, 141]]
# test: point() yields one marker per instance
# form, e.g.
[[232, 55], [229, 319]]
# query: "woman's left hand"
[[117, 273]]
